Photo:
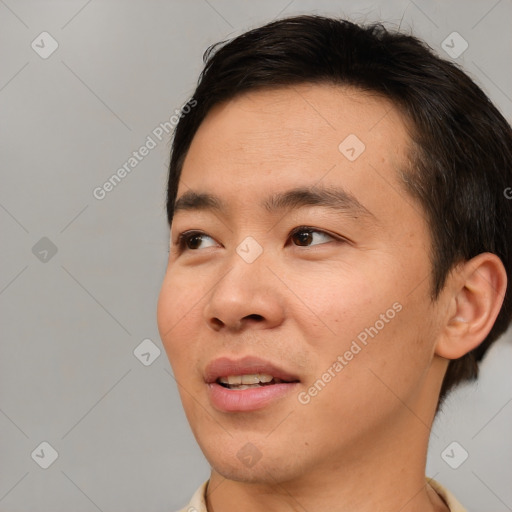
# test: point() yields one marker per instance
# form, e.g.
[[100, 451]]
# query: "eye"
[[305, 235], [191, 240]]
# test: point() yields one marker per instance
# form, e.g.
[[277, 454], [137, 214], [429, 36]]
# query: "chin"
[[244, 475], [249, 465]]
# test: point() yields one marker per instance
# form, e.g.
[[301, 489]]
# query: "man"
[[339, 259]]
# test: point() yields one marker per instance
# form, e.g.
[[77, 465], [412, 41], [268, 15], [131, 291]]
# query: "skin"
[[300, 305]]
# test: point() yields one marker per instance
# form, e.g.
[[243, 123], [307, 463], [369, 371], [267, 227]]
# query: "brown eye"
[[194, 241], [191, 240], [304, 236]]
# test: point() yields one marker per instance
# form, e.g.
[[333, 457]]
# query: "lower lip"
[[252, 399]]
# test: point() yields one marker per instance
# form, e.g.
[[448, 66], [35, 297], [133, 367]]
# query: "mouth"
[[254, 380], [246, 384]]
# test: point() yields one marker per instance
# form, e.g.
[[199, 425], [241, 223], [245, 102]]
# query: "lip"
[[227, 400], [224, 366]]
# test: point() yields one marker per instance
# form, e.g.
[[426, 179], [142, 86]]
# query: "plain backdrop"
[[82, 86]]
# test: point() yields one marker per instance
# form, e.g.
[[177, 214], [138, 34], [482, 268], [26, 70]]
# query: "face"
[[306, 274]]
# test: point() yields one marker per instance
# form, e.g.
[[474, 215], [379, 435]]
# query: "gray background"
[[71, 321]]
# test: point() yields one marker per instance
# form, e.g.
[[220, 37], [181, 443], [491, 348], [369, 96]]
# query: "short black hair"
[[460, 161]]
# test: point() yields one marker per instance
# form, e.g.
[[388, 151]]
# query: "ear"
[[476, 290]]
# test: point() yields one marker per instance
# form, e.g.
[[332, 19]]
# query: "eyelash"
[[184, 237]]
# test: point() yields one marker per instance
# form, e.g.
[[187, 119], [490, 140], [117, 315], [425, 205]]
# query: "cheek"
[[166, 312], [363, 378], [333, 305], [177, 304], [373, 325]]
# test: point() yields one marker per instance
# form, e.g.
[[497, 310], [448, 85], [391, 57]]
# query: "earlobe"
[[477, 291]]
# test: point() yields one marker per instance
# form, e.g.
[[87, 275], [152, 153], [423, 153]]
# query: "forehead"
[[308, 136]]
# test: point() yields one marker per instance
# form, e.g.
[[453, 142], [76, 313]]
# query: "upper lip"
[[224, 366]]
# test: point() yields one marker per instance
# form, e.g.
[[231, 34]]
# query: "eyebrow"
[[336, 199]]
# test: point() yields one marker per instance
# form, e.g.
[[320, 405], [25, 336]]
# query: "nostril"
[[216, 322], [255, 316]]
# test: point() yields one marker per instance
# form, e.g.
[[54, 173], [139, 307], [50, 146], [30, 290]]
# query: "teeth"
[[254, 378], [250, 379]]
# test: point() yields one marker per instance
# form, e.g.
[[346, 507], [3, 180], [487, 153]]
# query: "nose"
[[248, 294]]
